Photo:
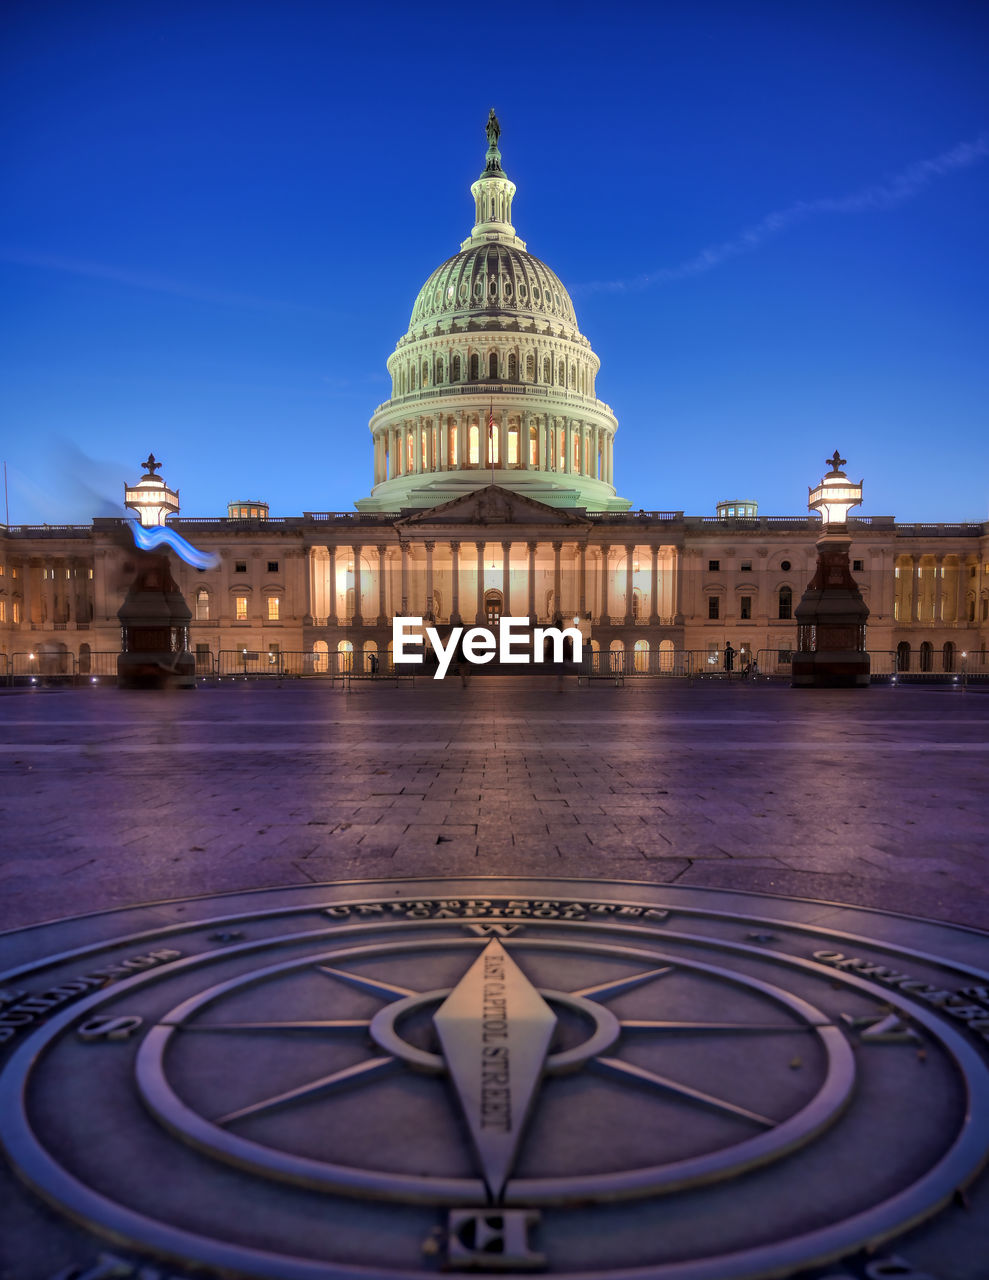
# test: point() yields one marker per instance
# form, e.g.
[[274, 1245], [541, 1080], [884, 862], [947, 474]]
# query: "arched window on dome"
[[475, 367], [493, 364], [439, 371], [425, 373], [573, 375], [513, 367], [455, 370], [547, 371], [473, 444], [560, 374], [530, 367], [413, 383]]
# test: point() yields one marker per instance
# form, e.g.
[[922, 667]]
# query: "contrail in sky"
[[880, 195]]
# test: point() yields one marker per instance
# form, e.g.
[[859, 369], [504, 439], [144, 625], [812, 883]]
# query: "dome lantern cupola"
[[493, 193]]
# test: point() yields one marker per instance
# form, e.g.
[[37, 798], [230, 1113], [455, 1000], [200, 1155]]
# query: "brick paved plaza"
[[876, 798]]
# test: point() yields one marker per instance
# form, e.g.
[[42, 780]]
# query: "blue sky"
[[771, 218]]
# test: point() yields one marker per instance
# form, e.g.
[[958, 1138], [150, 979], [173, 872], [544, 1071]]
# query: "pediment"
[[493, 505]]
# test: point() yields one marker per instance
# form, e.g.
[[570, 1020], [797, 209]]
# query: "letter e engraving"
[[492, 1240]]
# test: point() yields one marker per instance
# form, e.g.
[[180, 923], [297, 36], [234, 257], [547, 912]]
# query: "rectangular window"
[[745, 607], [272, 566], [240, 610], [857, 566], [713, 610], [746, 566], [240, 566], [713, 566], [17, 611], [3, 610], [784, 657], [273, 607]]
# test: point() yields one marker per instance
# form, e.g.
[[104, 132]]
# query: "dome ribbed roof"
[[493, 278]]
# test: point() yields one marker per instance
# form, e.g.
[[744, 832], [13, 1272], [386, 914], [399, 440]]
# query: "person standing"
[[729, 659]]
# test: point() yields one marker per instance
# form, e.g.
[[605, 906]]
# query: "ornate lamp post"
[[154, 618], [831, 616]]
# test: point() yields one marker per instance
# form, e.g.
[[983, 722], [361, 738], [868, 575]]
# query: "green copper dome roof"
[[493, 279]]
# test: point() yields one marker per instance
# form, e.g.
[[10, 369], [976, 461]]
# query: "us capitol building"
[[493, 493]]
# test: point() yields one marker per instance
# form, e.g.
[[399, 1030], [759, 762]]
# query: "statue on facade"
[[493, 129]]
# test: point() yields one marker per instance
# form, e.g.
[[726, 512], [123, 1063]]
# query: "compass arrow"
[[495, 1029]]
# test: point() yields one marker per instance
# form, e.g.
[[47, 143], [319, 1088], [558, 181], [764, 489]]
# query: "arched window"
[[439, 370], [370, 656], [455, 372], [616, 657], [666, 655], [412, 379], [475, 367], [493, 364], [320, 657], [640, 656], [513, 444], [903, 656], [927, 656], [473, 445], [785, 602], [530, 367], [85, 660], [533, 447], [425, 373], [513, 367], [560, 374], [202, 605], [345, 656], [948, 656], [573, 375], [547, 371]]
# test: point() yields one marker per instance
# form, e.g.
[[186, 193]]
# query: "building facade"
[[493, 494]]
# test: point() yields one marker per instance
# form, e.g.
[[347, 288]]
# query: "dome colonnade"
[[493, 375]]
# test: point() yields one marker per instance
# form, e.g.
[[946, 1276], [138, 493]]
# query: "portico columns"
[[358, 618], [455, 597], [582, 579], [479, 617], [557, 578], [654, 586], [532, 582], [506, 583], [605, 610], [568, 446], [331, 617], [382, 608], [938, 587], [405, 577], [428, 611], [629, 594]]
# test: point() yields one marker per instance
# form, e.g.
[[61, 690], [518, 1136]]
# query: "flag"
[[491, 422]]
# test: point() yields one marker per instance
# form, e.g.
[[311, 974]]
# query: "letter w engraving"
[[494, 930]]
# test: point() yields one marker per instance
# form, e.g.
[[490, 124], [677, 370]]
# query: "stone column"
[[541, 445], [506, 580], [557, 578], [911, 594], [428, 611], [582, 578], [48, 593], [479, 617], [358, 618], [405, 577], [525, 425], [455, 597], [654, 586], [629, 553], [938, 587], [568, 446], [532, 582], [677, 601], [382, 607], [605, 606], [503, 441], [961, 612], [332, 618], [417, 447], [462, 442]]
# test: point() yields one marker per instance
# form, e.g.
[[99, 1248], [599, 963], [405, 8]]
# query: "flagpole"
[[491, 437]]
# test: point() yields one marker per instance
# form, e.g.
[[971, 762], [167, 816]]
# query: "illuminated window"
[[202, 605], [240, 608], [274, 605], [16, 611], [3, 610]]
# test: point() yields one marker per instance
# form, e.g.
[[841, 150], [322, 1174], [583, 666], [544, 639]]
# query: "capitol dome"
[[493, 382]]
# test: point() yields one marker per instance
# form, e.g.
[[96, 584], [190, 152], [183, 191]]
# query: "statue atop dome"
[[492, 161]]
